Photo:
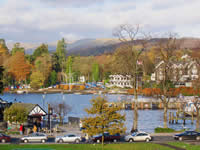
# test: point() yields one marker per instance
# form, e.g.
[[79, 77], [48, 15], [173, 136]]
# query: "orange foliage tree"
[[18, 67]]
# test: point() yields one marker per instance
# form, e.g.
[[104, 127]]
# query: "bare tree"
[[131, 35], [61, 109], [166, 49], [196, 103]]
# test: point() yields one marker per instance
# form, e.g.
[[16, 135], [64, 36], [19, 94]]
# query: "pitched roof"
[[27, 106], [2, 101]]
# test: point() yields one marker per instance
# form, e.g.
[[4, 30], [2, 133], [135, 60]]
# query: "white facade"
[[120, 81], [82, 79]]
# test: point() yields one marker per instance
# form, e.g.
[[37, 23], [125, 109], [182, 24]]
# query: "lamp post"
[[43, 97], [50, 112]]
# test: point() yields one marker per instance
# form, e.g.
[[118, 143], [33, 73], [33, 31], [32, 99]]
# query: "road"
[[156, 139]]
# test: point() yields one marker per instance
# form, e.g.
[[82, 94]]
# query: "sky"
[[50, 20]]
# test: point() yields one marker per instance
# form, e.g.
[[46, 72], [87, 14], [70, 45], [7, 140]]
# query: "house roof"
[[3, 102], [30, 108]]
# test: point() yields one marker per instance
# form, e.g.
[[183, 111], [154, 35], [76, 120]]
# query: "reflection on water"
[[148, 119]]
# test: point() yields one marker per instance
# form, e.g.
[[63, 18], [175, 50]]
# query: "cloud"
[[40, 21], [75, 3]]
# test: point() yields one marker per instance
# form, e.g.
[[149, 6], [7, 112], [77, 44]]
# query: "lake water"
[[148, 119]]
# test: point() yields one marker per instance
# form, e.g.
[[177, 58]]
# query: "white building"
[[121, 81], [82, 79]]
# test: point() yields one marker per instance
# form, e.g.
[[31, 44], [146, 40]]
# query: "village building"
[[181, 73], [123, 81], [3, 106], [35, 114]]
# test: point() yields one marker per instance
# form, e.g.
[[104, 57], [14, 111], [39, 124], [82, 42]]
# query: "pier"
[[145, 105]]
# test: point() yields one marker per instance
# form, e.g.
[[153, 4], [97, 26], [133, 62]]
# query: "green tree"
[[103, 118], [61, 53], [37, 80], [17, 48], [42, 49], [95, 72], [53, 77], [69, 68], [15, 113]]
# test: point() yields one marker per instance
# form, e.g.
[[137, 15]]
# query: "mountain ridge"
[[86, 47]]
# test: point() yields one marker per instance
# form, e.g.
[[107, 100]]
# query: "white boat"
[[20, 91]]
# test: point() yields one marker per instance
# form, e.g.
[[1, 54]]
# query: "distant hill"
[[87, 47]]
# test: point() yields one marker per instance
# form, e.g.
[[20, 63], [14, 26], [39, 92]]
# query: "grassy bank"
[[185, 146], [166, 130], [126, 146]]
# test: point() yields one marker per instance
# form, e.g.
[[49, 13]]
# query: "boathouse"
[[35, 113]]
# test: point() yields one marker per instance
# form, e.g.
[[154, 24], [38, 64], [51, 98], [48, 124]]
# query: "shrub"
[[164, 130]]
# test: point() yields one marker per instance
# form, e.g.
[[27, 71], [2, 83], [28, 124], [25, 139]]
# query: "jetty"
[[145, 105]]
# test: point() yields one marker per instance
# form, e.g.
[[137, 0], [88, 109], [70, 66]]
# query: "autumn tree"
[[15, 113], [18, 67], [43, 64], [37, 80], [4, 53], [130, 35], [166, 51], [1, 79], [17, 48], [61, 109], [84, 66], [196, 102], [103, 118]]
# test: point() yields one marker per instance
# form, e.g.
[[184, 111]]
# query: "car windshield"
[[134, 134]]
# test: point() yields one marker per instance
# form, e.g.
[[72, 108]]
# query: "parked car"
[[107, 137], [68, 138], [35, 137], [138, 136], [4, 138], [187, 135]]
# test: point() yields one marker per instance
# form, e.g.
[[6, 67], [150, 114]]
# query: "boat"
[[20, 91]]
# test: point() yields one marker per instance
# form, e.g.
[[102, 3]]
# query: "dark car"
[[4, 138], [107, 137], [187, 135]]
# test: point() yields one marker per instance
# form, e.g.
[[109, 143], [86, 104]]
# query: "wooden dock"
[[175, 117], [145, 105]]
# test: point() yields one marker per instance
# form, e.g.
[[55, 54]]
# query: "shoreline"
[[78, 92]]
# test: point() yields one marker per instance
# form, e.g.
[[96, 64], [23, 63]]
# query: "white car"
[[68, 138], [35, 137], [138, 136]]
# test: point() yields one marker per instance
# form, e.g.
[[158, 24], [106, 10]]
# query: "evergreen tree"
[[95, 72], [61, 53], [53, 77], [42, 49]]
